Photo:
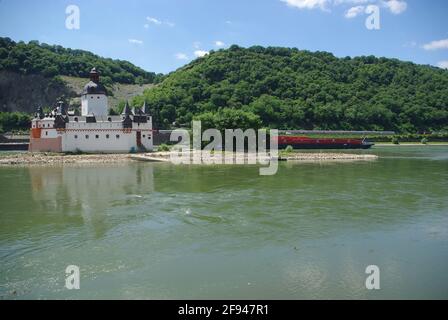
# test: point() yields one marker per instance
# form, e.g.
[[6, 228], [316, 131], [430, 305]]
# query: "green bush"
[[424, 141], [395, 140], [163, 147], [289, 149], [14, 121]]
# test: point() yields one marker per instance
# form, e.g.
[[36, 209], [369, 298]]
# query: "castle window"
[[97, 136], [97, 97], [87, 136], [107, 136], [117, 136], [34, 126], [149, 137], [109, 119], [76, 136], [144, 136], [91, 97], [76, 119], [46, 133]]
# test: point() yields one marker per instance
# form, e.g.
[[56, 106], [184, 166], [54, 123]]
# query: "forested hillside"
[[50, 60], [34, 74], [292, 89]]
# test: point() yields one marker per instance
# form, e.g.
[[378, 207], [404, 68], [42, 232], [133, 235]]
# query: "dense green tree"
[[36, 58], [13, 121], [293, 89]]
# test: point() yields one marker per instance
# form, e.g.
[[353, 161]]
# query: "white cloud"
[[443, 64], [135, 41], [354, 12], [395, 6], [200, 53], [435, 45], [154, 20], [308, 4], [196, 44], [219, 43], [158, 22], [181, 56], [351, 2]]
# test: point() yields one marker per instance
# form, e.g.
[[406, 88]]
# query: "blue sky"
[[163, 35]]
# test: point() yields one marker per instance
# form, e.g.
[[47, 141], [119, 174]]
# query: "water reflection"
[[82, 195], [165, 231]]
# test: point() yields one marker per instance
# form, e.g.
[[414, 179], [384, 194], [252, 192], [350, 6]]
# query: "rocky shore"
[[244, 157], [27, 158]]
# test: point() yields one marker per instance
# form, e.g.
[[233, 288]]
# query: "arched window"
[[117, 136], [87, 136]]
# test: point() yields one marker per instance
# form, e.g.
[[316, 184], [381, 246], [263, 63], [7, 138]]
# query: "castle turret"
[[126, 114], [145, 108], [40, 113], [126, 110], [94, 97]]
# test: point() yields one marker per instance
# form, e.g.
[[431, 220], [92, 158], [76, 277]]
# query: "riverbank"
[[27, 158], [407, 144], [239, 157]]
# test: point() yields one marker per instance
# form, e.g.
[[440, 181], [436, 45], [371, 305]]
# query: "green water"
[[160, 231]]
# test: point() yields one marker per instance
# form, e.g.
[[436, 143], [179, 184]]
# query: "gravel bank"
[[27, 158]]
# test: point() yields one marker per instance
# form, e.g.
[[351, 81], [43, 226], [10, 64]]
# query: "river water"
[[160, 231]]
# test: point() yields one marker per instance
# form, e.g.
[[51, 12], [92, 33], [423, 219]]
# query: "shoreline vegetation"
[[50, 159]]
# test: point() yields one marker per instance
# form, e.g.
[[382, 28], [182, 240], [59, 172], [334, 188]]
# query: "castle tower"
[[94, 97]]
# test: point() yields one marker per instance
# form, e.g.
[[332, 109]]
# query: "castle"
[[94, 131]]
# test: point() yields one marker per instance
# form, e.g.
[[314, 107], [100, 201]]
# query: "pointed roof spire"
[[145, 108], [61, 108], [40, 113], [94, 75], [137, 111], [126, 110]]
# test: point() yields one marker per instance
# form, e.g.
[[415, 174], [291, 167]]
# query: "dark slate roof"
[[137, 111], [94, 88], [145, 108], [126, 110]]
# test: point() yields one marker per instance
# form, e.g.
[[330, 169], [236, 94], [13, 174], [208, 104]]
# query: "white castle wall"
[[98, 142], [107, 136], [94, 104]]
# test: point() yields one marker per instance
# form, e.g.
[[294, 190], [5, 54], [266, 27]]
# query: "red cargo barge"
[[322, 143]]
